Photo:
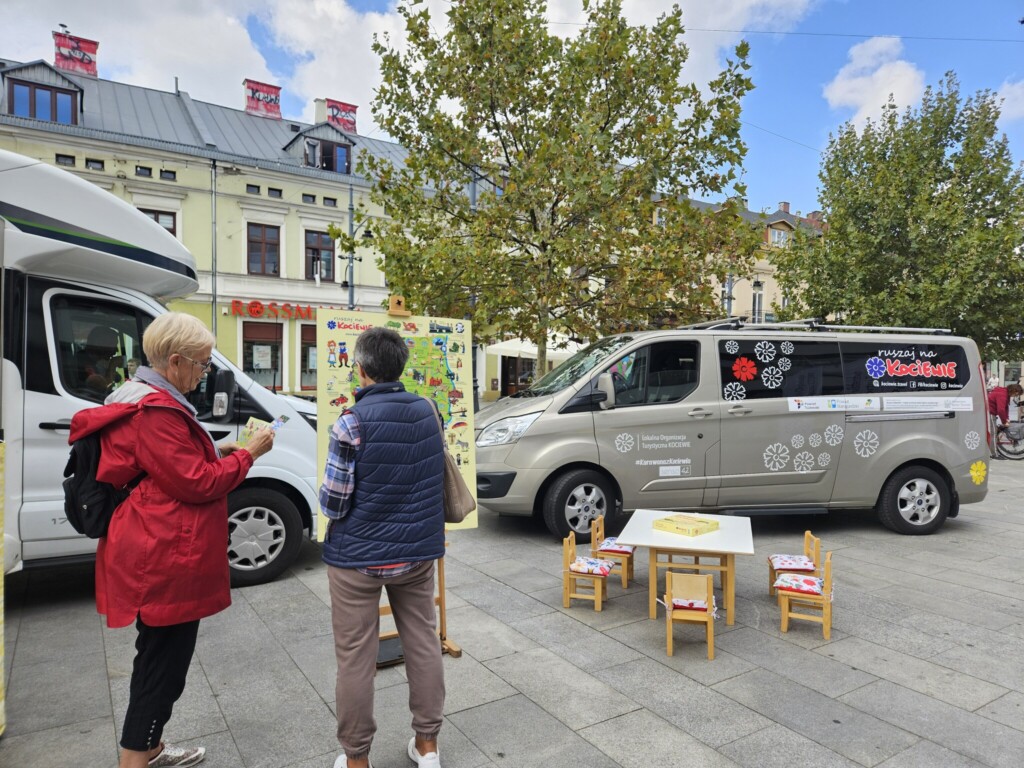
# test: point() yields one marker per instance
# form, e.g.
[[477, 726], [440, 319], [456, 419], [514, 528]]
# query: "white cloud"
[[873, 72], [1012, 95], [205, 44]]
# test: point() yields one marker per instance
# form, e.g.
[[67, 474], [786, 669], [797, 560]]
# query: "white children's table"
[[732, 538]]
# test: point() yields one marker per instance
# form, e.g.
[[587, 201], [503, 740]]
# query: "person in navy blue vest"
[[383, 495]]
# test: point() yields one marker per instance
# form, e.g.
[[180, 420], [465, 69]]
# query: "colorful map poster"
[[440, 367]]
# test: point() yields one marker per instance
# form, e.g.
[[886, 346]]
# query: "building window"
[[273, 192], [66, 160], [264, 249], [757, 308], [165, 219], [252, 189], [261, 353], [144, 171], [307, 366], [330, 202], [42, 102], [319, 256], [93, 164], [780, 237], [308, 199], [336, 157], [168, 175]]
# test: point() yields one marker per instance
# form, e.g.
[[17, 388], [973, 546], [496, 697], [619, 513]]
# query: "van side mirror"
[[223, 394], [606, 385]]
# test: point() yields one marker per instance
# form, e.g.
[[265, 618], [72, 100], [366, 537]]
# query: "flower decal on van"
[[772, 377], [875, 367], [865, 443], [744, 369], [776, 456], [787, 347], [624, 442], [833, 434], [732, 347], [978, 472], [797, 441], [972, 440], [784, 363], [824, 459], [814, 440], [734, 391], [765, 351], [803, 462]]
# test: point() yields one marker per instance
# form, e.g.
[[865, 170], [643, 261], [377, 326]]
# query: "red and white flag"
[[262, 99], [342, 115], [74, 54]]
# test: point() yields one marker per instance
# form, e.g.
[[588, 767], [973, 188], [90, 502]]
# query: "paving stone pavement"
[[925, 666]]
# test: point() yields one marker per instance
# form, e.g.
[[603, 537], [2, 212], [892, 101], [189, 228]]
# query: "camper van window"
[[577, 366], [757, 369], [94, 342]]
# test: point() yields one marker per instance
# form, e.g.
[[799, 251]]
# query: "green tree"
[[924, 220], [528, 196]]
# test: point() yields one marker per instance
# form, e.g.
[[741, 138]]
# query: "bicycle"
[[1010, 440]]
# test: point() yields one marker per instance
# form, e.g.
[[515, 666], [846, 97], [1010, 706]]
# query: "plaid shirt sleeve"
[[340, 473]]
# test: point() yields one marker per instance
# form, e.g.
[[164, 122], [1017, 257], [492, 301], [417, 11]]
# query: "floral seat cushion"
[[686, 604], [797, 582], [611, 546], [791, 563], [591, 565]]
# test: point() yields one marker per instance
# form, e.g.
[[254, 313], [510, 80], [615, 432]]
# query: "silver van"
[[744, 419]]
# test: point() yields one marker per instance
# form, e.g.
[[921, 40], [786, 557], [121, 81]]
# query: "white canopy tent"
[[518, 348]]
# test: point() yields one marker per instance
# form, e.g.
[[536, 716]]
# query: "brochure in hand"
[[253, 424]]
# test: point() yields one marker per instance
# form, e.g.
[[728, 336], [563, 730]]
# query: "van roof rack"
[[735, 322], [819, 324]]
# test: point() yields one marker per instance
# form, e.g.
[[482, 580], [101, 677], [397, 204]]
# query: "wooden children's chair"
[[808, 562], [608, 548], [811, 593], [690, 597], [583, 570]]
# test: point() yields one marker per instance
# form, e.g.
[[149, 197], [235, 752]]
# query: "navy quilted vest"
[[397, 515]]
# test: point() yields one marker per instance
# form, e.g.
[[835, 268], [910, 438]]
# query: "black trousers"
[[162, 659]]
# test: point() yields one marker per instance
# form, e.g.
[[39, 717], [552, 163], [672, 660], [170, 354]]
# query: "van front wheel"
[[914, 501], [265, 534], [574, 500]]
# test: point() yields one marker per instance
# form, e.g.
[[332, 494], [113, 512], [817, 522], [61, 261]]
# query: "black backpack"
[[89, 503]]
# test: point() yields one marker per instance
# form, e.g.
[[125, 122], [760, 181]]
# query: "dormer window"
[[42, 102], [336, 157]]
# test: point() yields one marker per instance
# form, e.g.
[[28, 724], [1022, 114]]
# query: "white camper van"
[[83, 274]]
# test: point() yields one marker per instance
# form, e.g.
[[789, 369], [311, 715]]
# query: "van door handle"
[[739, 409], [56, 424], [699, 413]]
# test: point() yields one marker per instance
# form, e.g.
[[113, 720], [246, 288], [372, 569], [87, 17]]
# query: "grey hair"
[[175, 333], [382, 353]]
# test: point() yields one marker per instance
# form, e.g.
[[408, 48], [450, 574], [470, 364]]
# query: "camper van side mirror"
[[606, 386], [223, 394]]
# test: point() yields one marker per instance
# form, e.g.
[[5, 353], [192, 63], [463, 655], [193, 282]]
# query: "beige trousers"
[[355, 600]]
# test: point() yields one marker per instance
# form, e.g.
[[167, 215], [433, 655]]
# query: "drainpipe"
[[213, 246]]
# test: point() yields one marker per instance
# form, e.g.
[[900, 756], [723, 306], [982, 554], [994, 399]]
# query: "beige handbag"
[[458, 499]]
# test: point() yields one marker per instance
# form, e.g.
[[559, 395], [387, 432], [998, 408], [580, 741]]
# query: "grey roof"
[[170, 121]]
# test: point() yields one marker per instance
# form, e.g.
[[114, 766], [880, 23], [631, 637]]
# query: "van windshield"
[[575, 367]]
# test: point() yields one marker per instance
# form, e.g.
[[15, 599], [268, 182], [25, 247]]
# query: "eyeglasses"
[[205, 366]]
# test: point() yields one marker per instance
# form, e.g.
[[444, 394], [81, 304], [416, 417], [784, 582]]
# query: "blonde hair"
[[175, 333]]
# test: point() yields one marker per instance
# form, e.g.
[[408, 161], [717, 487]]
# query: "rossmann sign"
[[272, 309]]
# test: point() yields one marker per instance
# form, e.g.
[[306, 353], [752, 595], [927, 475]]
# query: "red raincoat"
[[165, 553]]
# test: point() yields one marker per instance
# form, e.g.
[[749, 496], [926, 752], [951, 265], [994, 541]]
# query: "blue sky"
[[824, 61]]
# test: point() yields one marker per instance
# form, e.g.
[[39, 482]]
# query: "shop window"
[[307, 365], [264, 249], [261, 353], [42, 102], [165, 219], [756, 369], [319, 256]]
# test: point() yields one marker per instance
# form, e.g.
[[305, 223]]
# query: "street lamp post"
[[352, 258], [727, 297]]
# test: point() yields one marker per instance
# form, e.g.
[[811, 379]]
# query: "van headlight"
[[507, 430]]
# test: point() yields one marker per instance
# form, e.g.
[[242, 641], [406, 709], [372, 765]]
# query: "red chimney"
[[74, 54], [262, 99], [784, 206]]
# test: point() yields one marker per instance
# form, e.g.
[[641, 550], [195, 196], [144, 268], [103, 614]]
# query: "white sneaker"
[[342, 762], [177, 757], [429, 760]]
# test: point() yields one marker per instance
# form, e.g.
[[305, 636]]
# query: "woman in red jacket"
[[163, 563]]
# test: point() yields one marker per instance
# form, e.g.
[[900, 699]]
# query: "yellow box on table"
[[685, 525]]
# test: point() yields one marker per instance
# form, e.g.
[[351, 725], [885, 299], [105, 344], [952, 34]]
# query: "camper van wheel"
[[265, 534], [574, 500], [914, 501]]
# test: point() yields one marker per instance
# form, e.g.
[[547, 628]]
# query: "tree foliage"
[[528, 196], [925, 224]]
